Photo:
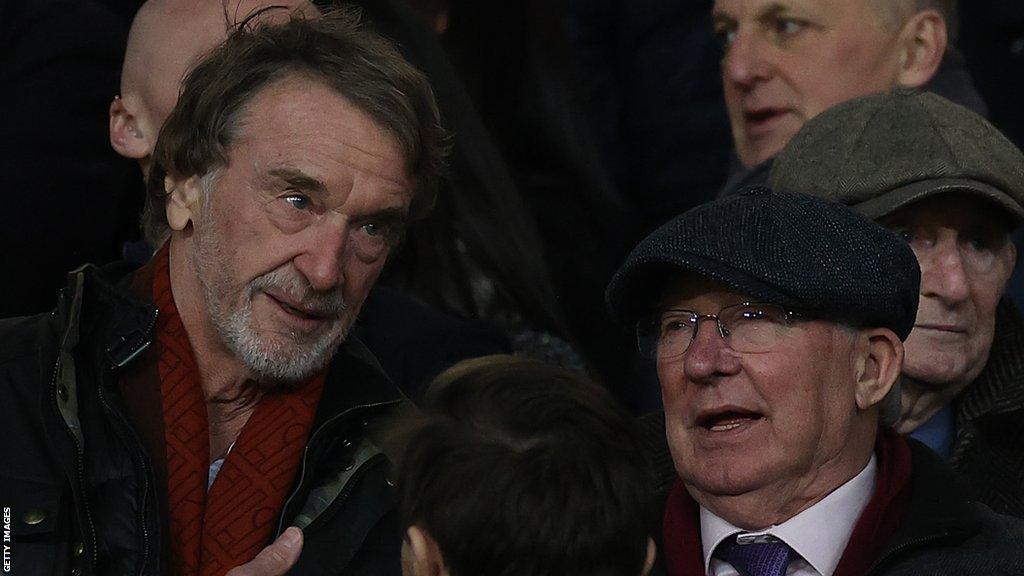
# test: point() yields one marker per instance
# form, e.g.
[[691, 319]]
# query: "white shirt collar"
[[819, 534]]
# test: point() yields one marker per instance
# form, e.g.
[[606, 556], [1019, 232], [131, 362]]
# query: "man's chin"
[[937, 376], [760, 146], [758, 151], [938, 368], [289, 357], [722, 482], [725, 472]]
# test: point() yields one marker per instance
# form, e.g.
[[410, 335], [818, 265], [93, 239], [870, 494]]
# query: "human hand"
[[276, 559]]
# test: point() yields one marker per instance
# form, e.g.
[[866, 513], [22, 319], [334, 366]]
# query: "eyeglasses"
[[747, 327]]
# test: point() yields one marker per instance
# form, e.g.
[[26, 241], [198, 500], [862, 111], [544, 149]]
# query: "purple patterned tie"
[[757, 559]]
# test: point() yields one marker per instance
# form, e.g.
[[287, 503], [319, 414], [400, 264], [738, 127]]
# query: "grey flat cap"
[[881, 152]]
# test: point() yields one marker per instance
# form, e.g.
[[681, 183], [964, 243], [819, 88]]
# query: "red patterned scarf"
[[879, 520], [212, 532]]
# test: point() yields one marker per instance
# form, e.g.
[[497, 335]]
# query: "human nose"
[[321, 259], [747, 60], [708, 354], [943, 275]]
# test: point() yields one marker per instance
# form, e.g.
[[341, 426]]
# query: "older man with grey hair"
[[776, 322], [953, 186], [180, 418]]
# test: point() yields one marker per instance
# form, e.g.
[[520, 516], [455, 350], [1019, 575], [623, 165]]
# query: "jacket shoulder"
[[28, 348], [24, 336], [996, 548]]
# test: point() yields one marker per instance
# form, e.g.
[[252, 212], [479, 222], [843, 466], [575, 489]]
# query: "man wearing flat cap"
[[951, 185], [777, 324]]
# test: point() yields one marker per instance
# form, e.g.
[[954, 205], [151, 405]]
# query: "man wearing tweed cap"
[[777, 323], [951, 185]]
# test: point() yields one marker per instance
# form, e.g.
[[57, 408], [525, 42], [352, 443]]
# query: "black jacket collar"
[[121, 325], [938, 511]]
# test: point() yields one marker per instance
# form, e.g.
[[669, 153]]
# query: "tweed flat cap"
[[881, 152], [800, 252]]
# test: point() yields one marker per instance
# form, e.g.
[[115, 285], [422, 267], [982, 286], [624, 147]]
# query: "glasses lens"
[[753, 327], [665, 335]]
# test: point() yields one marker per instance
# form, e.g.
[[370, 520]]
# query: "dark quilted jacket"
[[78, 483]]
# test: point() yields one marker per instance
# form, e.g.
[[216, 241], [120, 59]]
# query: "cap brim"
[[636, 289], [895, 199]]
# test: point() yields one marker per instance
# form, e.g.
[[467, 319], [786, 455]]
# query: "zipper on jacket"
[[141, 516], [305, 455], [80, 469], [910, 544], [346, 490]]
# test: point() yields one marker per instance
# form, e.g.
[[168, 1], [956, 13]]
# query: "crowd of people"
[[431, 287]]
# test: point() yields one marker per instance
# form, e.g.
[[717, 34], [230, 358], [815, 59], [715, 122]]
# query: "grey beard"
[[269, 360]]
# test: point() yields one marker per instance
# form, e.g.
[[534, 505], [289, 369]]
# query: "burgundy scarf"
[[212, 532], [877, 523]]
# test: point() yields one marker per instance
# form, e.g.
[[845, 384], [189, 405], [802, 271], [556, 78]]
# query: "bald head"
[[168, 38]]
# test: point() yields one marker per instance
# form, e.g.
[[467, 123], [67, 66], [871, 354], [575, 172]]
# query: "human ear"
[[922, 45], [1008, 258], [183, 199], [127, 136], [652, 551], [878, 364], [425, 555]]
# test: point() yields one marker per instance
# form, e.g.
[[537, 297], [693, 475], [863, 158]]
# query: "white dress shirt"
[[819, 535]]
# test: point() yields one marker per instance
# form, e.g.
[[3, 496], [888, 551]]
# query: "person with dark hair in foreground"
[[180, 418], [517, 467], [777, 323]]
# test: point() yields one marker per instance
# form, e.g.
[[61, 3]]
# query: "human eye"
[[979, 252], [980, 243], [784, 28], [297, 200], [918, 238], [906, 234], [788, 26], [291, 210], [675, 322], [725, 35], [374, 237], [387, 230], [373, 229]]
